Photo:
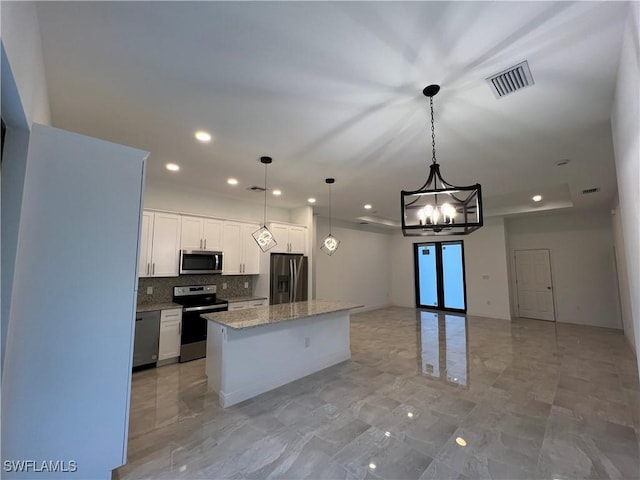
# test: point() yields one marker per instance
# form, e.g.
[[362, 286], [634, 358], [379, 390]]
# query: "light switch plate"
[[246, 284], [224, 286], [149, 290]]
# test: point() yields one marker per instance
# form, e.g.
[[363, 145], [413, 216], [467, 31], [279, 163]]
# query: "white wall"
[[24, 101], [625, 126], [485, 270], [623, 266], [184, 199], [359, 270], [22, 44], [582, 263]]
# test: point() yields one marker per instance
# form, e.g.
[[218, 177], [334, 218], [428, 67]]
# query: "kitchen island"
[[252, 351]]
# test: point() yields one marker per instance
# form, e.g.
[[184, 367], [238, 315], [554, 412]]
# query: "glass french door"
[[439, 276]]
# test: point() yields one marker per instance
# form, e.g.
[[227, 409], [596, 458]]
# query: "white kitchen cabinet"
[[248, 304], [144, 253], [290, 238], [241, 252], [200, 233], [159, 245], [297, 240], [170, 330]]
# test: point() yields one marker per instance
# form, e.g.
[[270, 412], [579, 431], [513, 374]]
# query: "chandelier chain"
[[433, 133]]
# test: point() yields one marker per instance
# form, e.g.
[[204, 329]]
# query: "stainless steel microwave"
[[200, 262]]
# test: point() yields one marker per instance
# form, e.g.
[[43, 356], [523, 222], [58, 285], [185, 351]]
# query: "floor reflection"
[[444, 347]]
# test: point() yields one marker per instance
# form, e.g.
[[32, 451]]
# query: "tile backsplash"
[[163, 286]]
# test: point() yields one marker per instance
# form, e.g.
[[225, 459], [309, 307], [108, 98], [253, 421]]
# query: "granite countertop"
[[248, 298], [269, 315], [150, 307]]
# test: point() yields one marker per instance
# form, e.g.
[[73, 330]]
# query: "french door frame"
[[439, 276]]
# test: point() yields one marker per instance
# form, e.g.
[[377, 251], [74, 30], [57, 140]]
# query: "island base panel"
[[243, 363]]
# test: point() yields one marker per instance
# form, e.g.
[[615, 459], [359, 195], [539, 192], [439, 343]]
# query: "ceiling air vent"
[[510, 80], [255, 188], [590, 190]]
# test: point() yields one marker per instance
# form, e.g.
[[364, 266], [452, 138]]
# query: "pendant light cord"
[[329, 209], [264, 220]]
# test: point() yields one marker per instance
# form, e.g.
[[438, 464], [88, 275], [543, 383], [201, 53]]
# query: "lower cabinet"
[[248, 304], [170, 330]]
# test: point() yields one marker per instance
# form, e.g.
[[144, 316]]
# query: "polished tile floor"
[[424, 396]]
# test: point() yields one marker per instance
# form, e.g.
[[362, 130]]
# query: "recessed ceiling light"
[[410, 415], [203, 136], [232, 181], [368, 206], [461, 441], [173, 167], [372, 466], [311, 200], [387, 434], [277, 192], [536, 198]]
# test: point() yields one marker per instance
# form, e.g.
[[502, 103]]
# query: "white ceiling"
[[335, 89]]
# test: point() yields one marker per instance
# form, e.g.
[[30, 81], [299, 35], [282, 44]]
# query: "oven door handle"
[[205, 307]]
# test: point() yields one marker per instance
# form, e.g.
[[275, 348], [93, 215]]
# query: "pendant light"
[[439, 208], [263, 236], [329, 243]]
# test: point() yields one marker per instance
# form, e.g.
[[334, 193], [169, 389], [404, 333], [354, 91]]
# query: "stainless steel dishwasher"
[[146, 338]]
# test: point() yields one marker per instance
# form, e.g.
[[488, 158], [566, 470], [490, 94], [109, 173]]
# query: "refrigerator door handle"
[[295, 280], [291, 274]]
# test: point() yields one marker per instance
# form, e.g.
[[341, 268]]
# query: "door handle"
[[153, 269], [548, 288], [291, 281], [180, 329], [200, 244], [148, 266], [205, 243]]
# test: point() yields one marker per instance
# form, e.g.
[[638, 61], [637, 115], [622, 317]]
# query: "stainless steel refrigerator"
[[288, 278]]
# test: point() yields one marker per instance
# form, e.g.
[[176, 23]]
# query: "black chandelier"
[[439, 208]]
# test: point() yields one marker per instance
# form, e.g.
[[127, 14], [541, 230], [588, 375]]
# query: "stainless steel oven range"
[[196, 300]]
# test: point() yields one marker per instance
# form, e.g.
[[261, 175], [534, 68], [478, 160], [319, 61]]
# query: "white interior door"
[[535, 289]]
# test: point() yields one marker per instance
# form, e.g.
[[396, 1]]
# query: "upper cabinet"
[[241, 253], [290, 238], [163, 235], [159, 245], [201, 233]]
